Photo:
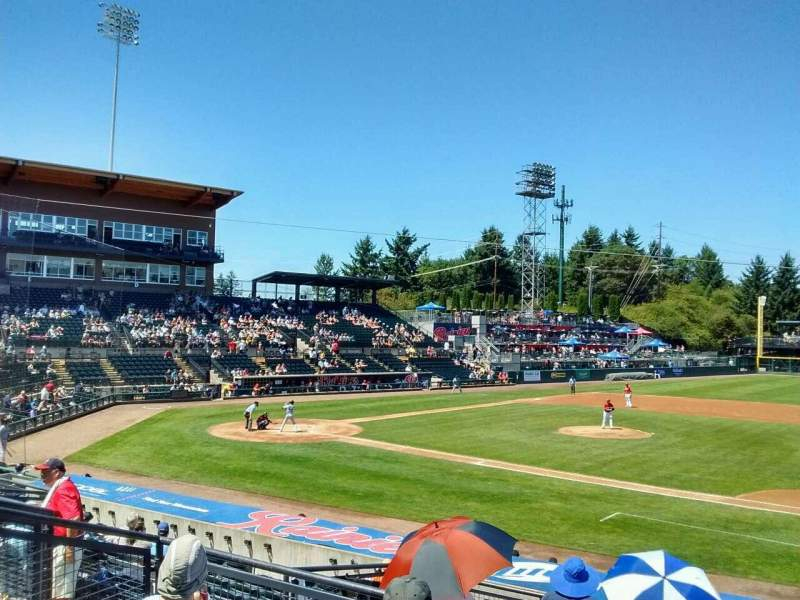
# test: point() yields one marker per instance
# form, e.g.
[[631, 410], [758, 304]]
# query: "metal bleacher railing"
[[112, 569]]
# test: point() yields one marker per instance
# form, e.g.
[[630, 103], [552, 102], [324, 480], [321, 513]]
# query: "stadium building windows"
[[196, 276], [22, 221], [144, 233], [56, 267], [196, 238]]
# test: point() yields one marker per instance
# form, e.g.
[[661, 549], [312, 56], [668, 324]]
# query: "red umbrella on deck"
[[452, 555]]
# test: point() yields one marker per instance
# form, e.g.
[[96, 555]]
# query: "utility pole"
[[562, 219], [591, 269], [659, 264], [494, 277]]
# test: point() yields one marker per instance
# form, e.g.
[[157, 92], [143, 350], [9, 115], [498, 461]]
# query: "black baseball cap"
[[52, 464]]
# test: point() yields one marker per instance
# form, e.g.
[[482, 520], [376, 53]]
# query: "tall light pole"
[[121, 25]]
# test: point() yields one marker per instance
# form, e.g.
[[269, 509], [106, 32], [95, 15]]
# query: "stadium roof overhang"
[[109, 182], [334, 281], [337, 282]]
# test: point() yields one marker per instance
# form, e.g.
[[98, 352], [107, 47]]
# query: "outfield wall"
[[563, 375]]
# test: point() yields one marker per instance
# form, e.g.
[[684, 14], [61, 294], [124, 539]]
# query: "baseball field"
[[704, 468]]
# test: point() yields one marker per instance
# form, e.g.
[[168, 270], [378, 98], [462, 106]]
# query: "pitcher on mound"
[[608, 415]]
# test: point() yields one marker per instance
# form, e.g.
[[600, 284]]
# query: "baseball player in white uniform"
[[288, 415]]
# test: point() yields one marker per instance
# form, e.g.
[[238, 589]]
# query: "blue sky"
[[371, 116]]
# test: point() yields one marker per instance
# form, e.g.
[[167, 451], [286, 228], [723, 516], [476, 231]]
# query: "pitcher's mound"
[[308, 430], [614, 433]]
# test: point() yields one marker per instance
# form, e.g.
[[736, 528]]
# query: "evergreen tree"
[[614, 239], [227, 285], [501, 301], [402, 259], [631, 239], [783, 300], [551, 300], [477, 300], [708, 271], [582, 303], [512, 302], [755, 282], [324, 266], [613, 307], [365, 260], [580, 254], [483, 274]]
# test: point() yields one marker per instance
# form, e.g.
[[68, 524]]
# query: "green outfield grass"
[[175, 445], [781, 389], [722, 456]]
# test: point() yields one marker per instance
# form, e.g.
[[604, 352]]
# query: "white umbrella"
[[656, 575]]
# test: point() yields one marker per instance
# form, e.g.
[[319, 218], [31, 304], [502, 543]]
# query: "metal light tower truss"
[[537, 185], [120, 25]]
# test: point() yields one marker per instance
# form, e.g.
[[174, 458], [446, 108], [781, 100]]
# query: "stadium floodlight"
[[121, 25]]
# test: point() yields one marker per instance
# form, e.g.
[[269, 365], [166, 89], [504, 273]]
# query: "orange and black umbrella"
[[452, 556]]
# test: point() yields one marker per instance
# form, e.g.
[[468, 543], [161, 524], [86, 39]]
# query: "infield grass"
[[685, 452]]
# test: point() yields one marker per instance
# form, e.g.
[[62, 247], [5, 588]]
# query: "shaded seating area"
[[391, 361], [294, 366], [227, 362], [442, 367], [87, 372], [373, 366], [142, 369]]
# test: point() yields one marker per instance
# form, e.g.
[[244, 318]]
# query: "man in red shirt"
[[628, 393], [64, 499], [608, 415]]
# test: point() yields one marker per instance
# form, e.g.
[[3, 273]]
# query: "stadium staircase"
[[635, 345], [63, 376], [183, 365], [113, 376]]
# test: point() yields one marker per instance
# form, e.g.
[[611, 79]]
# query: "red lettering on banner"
[[283, 525]]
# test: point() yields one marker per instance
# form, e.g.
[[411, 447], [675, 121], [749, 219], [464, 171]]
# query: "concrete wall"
[[245, 543]]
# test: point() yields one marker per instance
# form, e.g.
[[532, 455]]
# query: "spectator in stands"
[[407, 587], [64, 499], [4, 421], [183, 572], [573, 579]]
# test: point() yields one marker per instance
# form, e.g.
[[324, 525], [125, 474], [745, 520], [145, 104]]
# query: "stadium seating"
[[142, 369], [442, 367], [391, 361], [294, 366], [226, 362], [87, 372], [372, 365]]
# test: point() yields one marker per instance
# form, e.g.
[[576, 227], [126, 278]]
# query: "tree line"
[[627, 273]]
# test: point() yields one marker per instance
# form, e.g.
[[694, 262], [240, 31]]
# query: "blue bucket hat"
[[575, 579]]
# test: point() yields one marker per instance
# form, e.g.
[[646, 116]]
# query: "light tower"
[[562, 219], [538, 184], [121, 25]]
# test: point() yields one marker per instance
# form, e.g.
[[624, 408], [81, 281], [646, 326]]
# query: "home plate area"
[[609, 433], [308, 430]]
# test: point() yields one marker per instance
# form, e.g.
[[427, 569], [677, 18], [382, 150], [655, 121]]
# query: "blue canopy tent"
[[624, 329], [655, 343], [573, 341], [613, 355], [430, 307]]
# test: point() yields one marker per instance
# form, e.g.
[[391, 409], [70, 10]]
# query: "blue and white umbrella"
[[656, 575]]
